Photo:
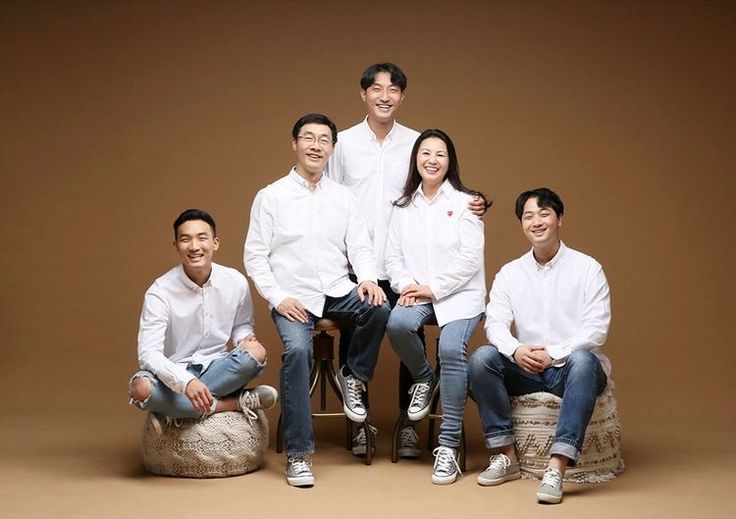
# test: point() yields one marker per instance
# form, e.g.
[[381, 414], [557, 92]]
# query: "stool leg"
[[368, 442], [279, 439], [435, 401], [395, 440], [462, 449]]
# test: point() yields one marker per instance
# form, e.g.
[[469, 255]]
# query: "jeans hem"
[[563, 448], [299, 454], [499, 440]]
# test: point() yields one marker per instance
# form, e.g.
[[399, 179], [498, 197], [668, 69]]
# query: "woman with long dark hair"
[[434, 259]]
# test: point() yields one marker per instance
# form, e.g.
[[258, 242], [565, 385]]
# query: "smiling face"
[[541, 225], [195, 245], [432, 162], [313, 147], [382, 98]]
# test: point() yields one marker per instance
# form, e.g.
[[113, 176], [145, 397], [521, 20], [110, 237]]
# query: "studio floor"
[[89, 466]]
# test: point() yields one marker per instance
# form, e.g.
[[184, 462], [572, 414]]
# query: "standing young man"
[[189, 316], [559, 303], [304, 231], [372, 160]]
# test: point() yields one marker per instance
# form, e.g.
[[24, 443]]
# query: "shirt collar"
[[389, 135], [445, 191], [213, 280], [554, 261], [303, 181]]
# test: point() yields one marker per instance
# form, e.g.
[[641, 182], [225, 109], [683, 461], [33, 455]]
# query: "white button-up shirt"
[[564, 305], [439, 243], [300, 241], [183, 323], [376, 173]]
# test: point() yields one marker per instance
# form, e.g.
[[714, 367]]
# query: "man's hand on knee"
[[199, 395]]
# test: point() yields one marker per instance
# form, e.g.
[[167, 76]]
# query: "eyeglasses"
[[310, 138]]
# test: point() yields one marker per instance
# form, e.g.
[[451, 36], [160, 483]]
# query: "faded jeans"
[[224, 377], [296, 359], [494, 378], [402, 329]]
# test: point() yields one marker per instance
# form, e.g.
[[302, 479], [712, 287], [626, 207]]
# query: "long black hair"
[[414, 178]]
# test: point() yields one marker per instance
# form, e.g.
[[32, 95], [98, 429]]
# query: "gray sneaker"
[[445, 469], [408, 443], [352, 391], [421, 399], [299, 471], [550, 490], [500, 469], [359, 441], [259, 397]]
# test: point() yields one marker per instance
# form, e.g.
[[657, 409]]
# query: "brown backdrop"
[[114, 116]]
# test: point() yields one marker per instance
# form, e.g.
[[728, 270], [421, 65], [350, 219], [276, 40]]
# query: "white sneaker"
[[550, 490], [421, 399], [259, 397], [500, 469], [352, 391], [299, 471], [445, 469]]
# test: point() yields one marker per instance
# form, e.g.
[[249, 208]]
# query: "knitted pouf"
[[223, 444], [534, 419]]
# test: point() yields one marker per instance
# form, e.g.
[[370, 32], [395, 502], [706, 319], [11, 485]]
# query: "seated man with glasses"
[[304, 231]]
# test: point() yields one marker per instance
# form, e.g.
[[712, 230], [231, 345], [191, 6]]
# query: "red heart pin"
[[449, 213]]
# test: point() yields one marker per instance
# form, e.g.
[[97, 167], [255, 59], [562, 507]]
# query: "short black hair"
[[314, 119], [545, 198], [194, 214], [398, 77]]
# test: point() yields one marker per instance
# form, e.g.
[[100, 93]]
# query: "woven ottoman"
[[534, 419], [224, 444]]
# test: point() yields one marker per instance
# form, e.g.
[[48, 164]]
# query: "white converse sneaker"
[[352, 391], [421, 399], [550, 490], [299, 471], [445, 469], [500, 469]]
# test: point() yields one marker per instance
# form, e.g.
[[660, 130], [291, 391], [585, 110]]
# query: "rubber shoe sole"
[[497, 481]]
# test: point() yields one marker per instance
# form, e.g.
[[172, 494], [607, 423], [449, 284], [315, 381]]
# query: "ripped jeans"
[[224, 377]]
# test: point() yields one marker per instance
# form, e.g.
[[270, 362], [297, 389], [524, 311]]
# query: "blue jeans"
[[224, 377], [296, 359], [405, 379], [493, 378], [402, 329]]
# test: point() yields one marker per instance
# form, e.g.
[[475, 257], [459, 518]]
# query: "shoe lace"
[[299, 464], [408, 436], [360, 437], [356, 388], [552, 477], [499, 461], [250, 400], [444, 460], [418, 392]]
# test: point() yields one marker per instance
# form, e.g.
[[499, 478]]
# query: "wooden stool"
[[433, 415], [322, 374]]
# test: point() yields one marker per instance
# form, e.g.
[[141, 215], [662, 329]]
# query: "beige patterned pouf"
[[534, 419], [224, 444]]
